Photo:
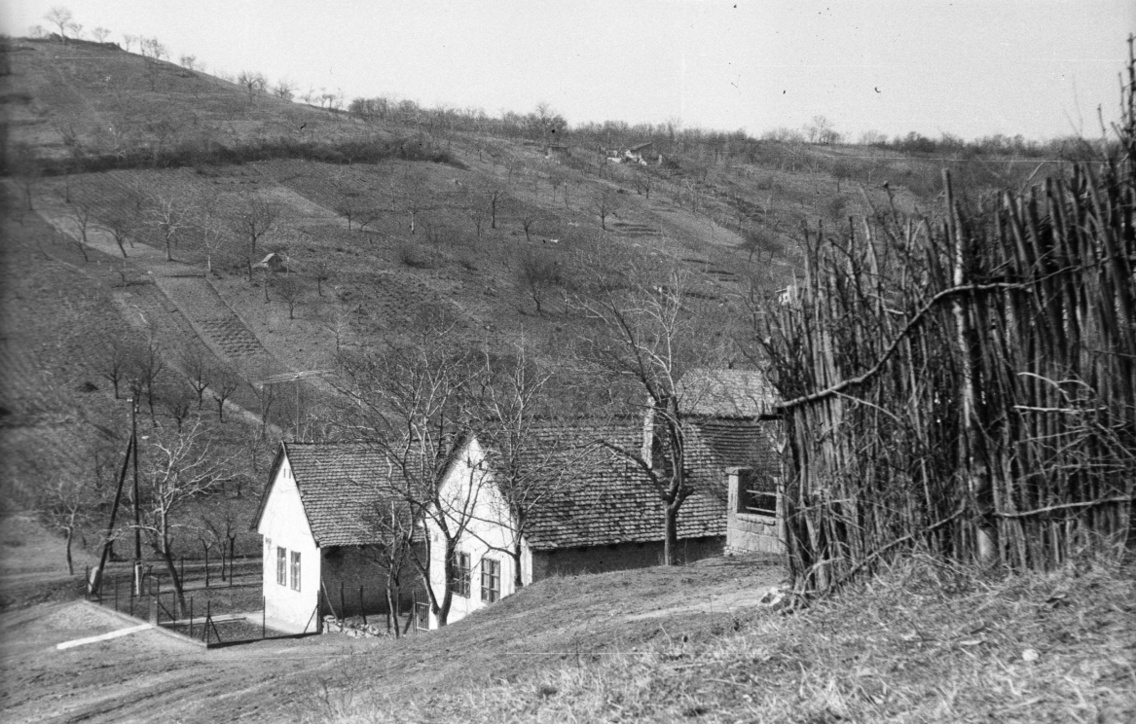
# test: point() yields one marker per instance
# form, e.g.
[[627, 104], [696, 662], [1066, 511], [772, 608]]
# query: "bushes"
[[194, 153]]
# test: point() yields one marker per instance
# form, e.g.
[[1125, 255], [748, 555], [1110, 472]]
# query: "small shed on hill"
[[321, 518], [733, 411], [275, 263]]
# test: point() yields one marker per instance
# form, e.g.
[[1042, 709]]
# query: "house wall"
[[353, 582], [618, 557], [283, 524], [468, 493], [750, 533]]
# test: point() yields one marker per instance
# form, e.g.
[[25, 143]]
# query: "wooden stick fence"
[[966, 383]]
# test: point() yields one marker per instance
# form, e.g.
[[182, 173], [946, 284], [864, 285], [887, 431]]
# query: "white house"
[[597, 511], [472, 502], [321, 520]]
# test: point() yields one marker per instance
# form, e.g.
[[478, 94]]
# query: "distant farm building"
[[275, 263], [733, 412]]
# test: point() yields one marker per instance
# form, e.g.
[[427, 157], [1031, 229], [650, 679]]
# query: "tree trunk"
[[518, 580], [670, 542], [70, 564], [168, 557]]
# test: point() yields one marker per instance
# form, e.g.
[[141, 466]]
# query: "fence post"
[[132, 600], [181, 570], [263, 618], [208, 621], [115, 594], [207, 568], [342, 610], [362, 611], [190, 615]]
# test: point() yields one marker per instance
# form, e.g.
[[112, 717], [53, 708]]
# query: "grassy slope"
[[923, 642]]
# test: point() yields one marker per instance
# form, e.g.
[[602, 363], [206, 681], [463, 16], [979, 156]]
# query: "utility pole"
[[137, 517], [95, 584]]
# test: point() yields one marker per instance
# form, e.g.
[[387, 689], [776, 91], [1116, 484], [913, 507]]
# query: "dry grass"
[[923, 642]]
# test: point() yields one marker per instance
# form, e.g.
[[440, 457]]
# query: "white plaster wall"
[[469, 491], [284, 524]]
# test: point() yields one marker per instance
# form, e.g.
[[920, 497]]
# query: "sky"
[[971, 68]]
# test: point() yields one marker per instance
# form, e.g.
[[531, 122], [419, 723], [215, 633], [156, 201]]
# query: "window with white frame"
[[490, 580], [462, 575], [295, 570], [281, 566]]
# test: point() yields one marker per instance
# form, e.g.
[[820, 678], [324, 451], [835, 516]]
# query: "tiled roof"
[[606, 498], [741, 443], [726, 393], [342, 487]]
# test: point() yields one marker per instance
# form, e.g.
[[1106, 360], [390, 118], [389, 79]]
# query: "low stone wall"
[[747, 533]]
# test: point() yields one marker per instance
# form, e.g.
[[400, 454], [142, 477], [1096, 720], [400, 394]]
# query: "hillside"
[[924, 642]]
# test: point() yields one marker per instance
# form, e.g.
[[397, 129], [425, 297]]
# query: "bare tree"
[[189, 62], [604, 203], [177, 401], [209, 223], [117, 359], [170, 214], [321, 272], [255, 84], [649, 339], [534, 460], [254, 218], [527, 218], [224, 383], [413, 402], [538, 273], [197, 372], [284, 89], [100, 34], [144, 367], [393, 520], [82, 211], [178, 466], [353, 206], [61, 18], [66, 502], [290, 290], [119, 221]]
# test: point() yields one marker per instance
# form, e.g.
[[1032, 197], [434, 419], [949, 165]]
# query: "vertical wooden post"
[[971, 453], [362, 611]]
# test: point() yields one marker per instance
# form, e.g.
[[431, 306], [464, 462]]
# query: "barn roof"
[[343, 486], [604, 498], [725, 393]]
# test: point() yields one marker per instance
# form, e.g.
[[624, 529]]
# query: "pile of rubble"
[[354, 627]]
